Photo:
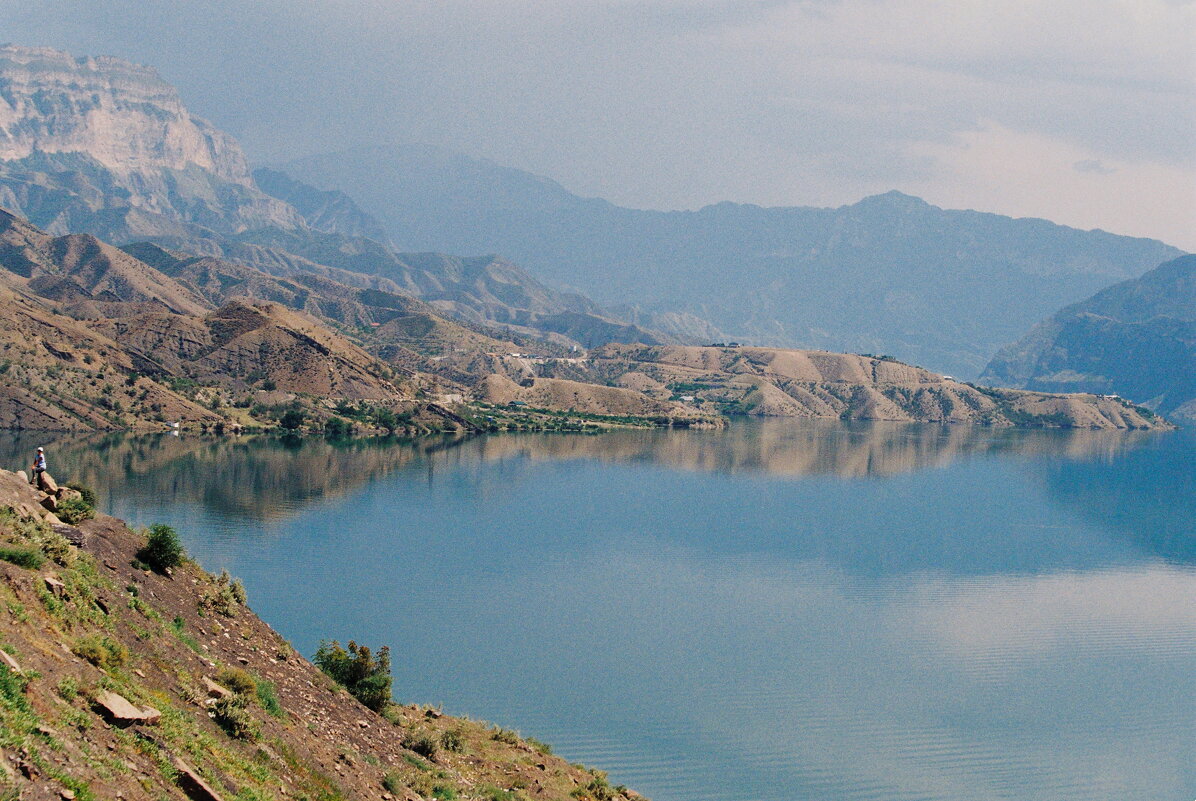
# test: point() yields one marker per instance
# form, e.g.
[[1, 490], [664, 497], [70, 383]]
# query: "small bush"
[[421, 744], [237, 680], [366, 677], [506, 736], [392, 783], [292, 420], [74, 510], [234, 718], [162, 548], [452, 740], [542, 747], [225, 596], [12, 689], [29, 558], [337, 428], [393, 714], [103, 652], [89, 495], [442, 792]]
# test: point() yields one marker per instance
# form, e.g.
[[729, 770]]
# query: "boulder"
[[50, 503], [192, 784], [46, 483], [65, 493], [73, 534], [215, 690], [21, 474], [56, 587], [121, 711]]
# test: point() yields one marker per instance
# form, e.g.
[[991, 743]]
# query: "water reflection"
[[778, 612], [266, 478]]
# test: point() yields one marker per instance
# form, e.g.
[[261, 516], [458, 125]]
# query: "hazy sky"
[[1081, 111]]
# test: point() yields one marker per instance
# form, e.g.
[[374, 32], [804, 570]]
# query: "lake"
[[777, 611]]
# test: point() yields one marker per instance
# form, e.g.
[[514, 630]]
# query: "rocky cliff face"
[[120, 114], [103, 134]]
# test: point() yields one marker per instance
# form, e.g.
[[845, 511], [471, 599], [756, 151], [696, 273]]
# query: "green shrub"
[[68, 688], [89, 495], [421, 744], [12, 689], [103, 652], [225, 596], [392, 783], [30, 558], [291, 420], [237, 680], [366, 677], [337, 427], [162, 548], [74, 510], [442, 792], [542, 747], [452, 740], [232, 716], [506, 736]]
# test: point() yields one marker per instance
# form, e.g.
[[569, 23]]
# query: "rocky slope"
[[1136, 339], [816, 384], [117, 681], [94, 338], [890, 274]]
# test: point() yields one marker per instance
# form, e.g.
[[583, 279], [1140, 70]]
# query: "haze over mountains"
[[101, 146], [213, 253], [890, 274]]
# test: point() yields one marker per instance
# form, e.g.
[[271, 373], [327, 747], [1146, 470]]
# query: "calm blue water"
[[780, 611]]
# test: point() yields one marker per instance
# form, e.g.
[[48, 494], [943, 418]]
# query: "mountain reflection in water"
[[266, 477]]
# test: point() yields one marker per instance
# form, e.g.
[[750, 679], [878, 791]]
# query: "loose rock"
[[121, 711], [193, 785]]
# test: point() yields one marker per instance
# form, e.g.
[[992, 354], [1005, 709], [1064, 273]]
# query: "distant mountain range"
[[101, 146], [1136, 339], [890, 274]]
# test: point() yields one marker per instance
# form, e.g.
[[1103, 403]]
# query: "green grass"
[[28, 558]]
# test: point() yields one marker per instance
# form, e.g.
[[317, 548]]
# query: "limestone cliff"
[[101, 133]]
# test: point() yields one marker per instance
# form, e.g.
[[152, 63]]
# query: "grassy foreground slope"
[[119, 681]]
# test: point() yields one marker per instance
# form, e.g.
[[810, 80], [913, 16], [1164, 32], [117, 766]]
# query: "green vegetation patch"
[[366, 676], [162, 549], [26, 557]]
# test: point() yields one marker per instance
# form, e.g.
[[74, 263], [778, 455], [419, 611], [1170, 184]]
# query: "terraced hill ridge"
[[774, 382], [120, 682]]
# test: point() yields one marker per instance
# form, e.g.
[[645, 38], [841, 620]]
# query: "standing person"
[[39, 466]]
